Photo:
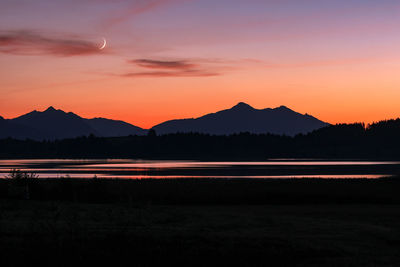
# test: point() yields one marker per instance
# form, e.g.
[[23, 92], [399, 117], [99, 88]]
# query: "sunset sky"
[[338, 60]]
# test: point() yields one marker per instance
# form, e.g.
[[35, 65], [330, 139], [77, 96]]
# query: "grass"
[[69, 222], [208, 191], [66, 234]]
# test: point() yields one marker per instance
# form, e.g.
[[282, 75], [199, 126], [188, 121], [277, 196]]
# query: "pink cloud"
[[170, 68], [184, 73], [159, 64], [33, 43]]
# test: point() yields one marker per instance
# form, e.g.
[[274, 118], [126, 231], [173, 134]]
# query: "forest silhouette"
[[377, 140]]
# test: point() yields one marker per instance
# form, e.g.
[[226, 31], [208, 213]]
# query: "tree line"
[[377, 140]]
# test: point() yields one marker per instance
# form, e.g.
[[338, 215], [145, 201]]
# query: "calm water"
[[141, 169]]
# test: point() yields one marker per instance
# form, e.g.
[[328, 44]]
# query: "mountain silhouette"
[[57, 124], [10, 129], [244, 118], [108, 127]]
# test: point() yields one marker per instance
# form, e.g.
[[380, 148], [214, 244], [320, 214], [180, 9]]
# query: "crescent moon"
[[104, 44]]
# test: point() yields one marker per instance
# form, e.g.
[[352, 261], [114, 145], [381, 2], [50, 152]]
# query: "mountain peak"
[[1, 118], [51, 108], [283, 108], [242, 106]]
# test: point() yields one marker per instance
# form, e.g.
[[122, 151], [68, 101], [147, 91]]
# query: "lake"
[[145, 169]]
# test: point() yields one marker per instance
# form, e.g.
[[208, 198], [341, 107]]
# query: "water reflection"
[[145, 169]]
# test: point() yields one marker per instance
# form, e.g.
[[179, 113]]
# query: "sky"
[[338, 60]]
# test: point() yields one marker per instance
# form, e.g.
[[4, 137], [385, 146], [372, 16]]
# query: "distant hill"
[[11, 129], [106, 127], [57, 124], [244, 118]]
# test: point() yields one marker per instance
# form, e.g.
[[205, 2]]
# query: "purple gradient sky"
[[338, 60]]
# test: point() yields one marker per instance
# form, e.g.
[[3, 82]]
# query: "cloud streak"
[[158, 74], [137, 7], [159, 64], [169, 68], [34, 43]]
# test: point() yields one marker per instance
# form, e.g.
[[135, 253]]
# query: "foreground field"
[[199, 222], [69, 234], [205, 191]]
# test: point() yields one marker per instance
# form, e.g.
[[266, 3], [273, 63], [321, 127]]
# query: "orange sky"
[[337, 60]]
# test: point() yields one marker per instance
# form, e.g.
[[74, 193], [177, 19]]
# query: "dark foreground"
[[321, 223]]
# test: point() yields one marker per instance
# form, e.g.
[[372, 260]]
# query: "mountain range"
[[244, 118], [56, 124]]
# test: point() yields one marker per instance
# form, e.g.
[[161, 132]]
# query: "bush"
[[19, 186]]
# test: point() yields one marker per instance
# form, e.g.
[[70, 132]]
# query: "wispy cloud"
[[171, 68], [203, 67], [159, 64], [135, 7], [186, 73], [28, 42]]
